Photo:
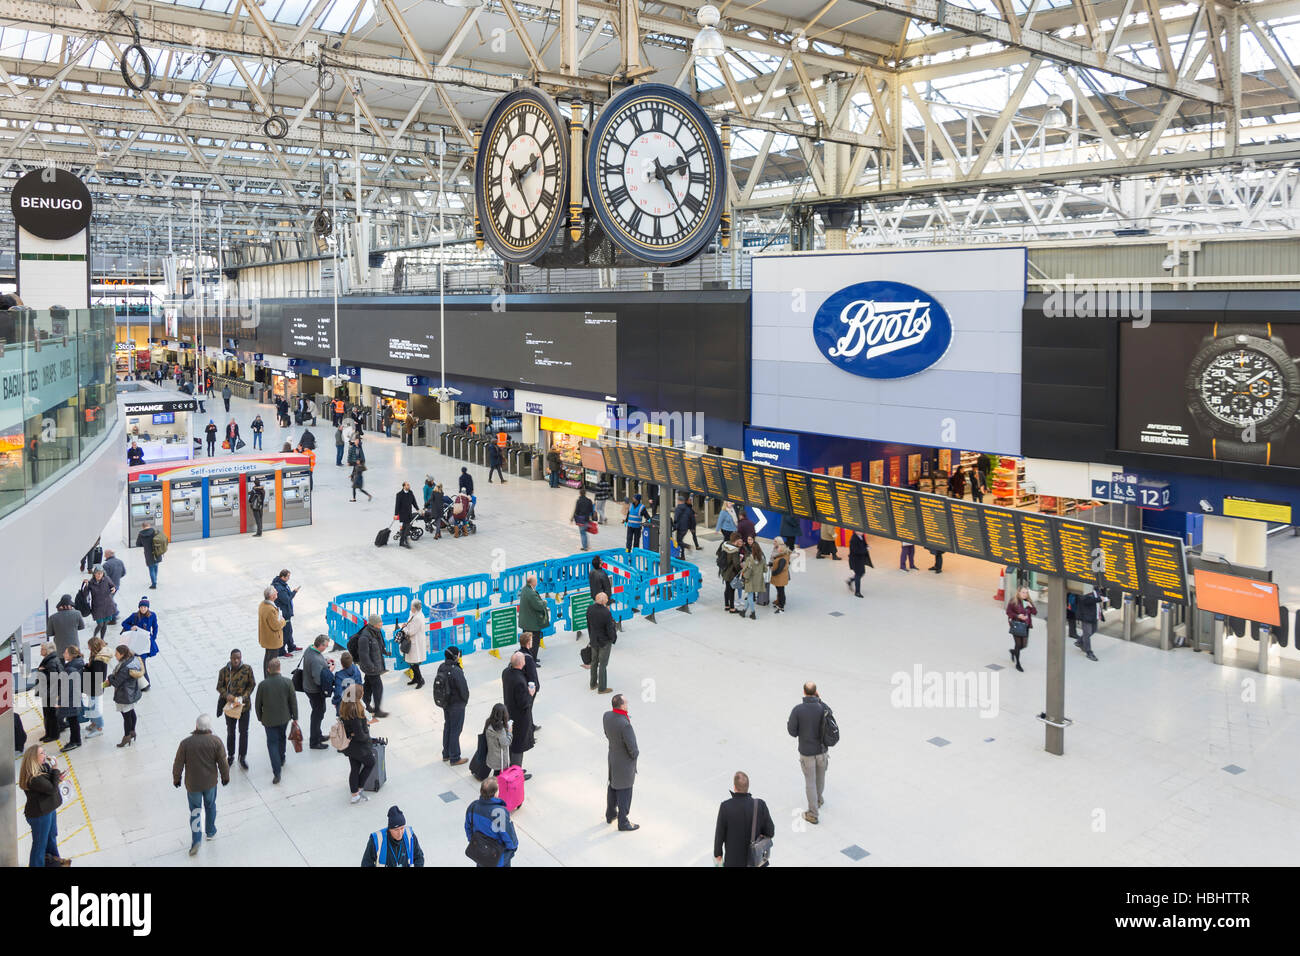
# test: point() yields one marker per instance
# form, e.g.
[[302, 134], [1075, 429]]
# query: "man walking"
[[284, 601], [741, 820], [370, 658], [276, 704], [317, 683], [496, 458], [1088, 612], [622, 763], [148, 540], [225, 396], [806, 723], [604, 492], [404, 510], [270, 629], [583, 510], [450, 685], [235, 683], [257, 504], [201, 759], [603, 635], [519, 708]]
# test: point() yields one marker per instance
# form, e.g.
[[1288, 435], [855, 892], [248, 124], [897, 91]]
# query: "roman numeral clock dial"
[[521, 175], [655, 174]]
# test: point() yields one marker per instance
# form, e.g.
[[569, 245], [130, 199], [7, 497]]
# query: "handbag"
[[295, 737], [234, 710], [483, 850], [593, 528], [403, 642], [1019, 628], [760, 848], [225, 444], [585, 654], [239, 443]]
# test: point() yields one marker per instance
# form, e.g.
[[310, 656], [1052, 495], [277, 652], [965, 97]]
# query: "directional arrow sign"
[[761, 521]]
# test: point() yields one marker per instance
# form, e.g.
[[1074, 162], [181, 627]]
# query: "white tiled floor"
[[1141, 782]]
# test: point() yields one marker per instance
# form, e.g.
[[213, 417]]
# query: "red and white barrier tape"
[[439, 625], [675, 576], [347, 615]]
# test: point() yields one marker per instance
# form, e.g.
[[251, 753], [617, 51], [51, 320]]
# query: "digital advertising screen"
[[1223, 391], [592, 458]]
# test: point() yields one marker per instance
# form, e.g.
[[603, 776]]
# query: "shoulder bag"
[[760, 848]]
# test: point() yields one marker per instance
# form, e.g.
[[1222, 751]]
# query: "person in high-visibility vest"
[[502, 439], [338, 411]]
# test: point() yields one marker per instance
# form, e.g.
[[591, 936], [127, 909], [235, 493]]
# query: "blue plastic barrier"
[[468, 593], [349, 612], [510, 582]]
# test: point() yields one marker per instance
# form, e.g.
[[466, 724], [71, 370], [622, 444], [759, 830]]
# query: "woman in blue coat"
[[147, 621]]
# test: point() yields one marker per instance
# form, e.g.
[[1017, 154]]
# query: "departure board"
[[1000, 532], [713, 484], [731, 478], [1164, 574], [968, 536], [694, 468], [640, 461], [800, 496], [614, 460], [823, 500], [658, 466], [774, 481], [755, 493], [875, 510], [848, 504], [1078, 540], [936, 532], [1038, 542], [676, 468], [907, 521], [1119, 551]]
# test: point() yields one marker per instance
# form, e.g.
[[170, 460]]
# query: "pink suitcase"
[[510, 787]]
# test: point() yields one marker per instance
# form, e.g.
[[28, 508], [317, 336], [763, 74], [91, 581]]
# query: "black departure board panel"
[[1038, 542], [774, 483], [1119, 553], [755, 493], [676, 467], [848, 504], [875, 510], [1164, 573], [907, 521], [1078, 541], [823, 500], [731, 478], [658, 467], [801, 504], [936, 532], [641, 461], [614, 460], [713, 483], [968, 536], [1000, 532], [694, 468]]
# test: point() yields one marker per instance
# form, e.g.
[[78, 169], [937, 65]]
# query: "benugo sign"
[[51, 203]]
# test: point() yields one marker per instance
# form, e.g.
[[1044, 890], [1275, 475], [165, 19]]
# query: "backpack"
[[353, 643], [339, 738], [159, 547], [82, 601], [830, 730], [441, 687]]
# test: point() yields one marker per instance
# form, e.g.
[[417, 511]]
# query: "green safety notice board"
[[578, 604], [504, 625]]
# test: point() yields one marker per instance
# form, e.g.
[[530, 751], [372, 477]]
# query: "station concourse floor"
[[1166, 763]]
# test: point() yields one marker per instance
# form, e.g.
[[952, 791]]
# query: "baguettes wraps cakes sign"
[[51, 203]]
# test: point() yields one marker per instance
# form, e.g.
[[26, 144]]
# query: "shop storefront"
[[160, 424]]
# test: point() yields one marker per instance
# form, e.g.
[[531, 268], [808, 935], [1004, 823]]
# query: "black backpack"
[[830, 730], [442, 686], [82, 601], [353, 641]]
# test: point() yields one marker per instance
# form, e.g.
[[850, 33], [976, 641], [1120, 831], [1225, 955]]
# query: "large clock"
[[521, 175], [655, 173]]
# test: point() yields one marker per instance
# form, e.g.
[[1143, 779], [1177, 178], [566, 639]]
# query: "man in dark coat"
[[598, 580], [370, 658], [732, 835], [623, 752], [682, 521], [528, 644], [1088, 612], [404, 510], [453, 713], [859, 561], [789, 532], [496, 457], [519, 707], [284, 596], [603, 635]]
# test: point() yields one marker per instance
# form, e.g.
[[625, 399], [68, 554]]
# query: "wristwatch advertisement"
[[1239, 398]]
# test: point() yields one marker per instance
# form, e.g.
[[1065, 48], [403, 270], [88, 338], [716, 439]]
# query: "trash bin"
[[442, 611]]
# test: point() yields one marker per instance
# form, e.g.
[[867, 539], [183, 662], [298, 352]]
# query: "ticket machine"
[[223, 505], [296, 501], [186, 509], [144, 502]]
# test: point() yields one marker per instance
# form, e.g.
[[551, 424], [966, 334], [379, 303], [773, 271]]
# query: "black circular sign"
[[51, 203]]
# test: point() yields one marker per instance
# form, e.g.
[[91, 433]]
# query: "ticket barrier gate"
[[444, 442], [144, 502], [295, 498], [224, 505], [187, 510]]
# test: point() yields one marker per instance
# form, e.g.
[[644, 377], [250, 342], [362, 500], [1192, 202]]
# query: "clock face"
[[521, 175], [1243, 386], [655, 170]]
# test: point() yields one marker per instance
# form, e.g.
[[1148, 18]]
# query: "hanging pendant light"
[[708, 42]]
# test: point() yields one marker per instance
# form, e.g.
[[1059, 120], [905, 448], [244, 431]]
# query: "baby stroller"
[[460, 508]]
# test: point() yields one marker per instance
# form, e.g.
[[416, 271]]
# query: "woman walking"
[[780, 573], [97, 667], [859, 561], [358, 479], [496, 729], [102, 606], [39, 778], [360, 750], [751, 574], [1020, 614], [416, 630], [256, 429], [232, 436], [145, 620], [125, 681]]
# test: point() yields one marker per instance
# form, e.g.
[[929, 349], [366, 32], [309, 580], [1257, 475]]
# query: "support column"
[[665, 530], [8, 768], [1055, 736]]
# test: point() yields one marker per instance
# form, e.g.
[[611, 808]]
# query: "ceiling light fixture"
[[708, 42], [1055, 116], [463, 4]]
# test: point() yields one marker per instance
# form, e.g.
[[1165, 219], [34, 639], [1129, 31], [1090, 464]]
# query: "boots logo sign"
[[882, 330], [51, 203]]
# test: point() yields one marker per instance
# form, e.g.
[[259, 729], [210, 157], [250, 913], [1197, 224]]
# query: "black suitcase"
[[381, 539], [378, 775]]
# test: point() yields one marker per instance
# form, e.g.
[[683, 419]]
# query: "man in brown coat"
[[270, 628], [201, 758]]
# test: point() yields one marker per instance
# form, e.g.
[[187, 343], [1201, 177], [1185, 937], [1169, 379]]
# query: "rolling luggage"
[[478, 763], [378, 775], [381, 539], [764, 597], [510, 787]]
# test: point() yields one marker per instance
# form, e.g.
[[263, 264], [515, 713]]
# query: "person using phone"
[[284, 601], [39, 778]]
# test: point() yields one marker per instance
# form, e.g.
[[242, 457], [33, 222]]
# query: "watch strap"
[[1259, 452], [1259, 330]]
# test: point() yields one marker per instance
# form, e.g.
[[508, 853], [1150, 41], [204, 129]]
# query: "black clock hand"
[[679, 167]]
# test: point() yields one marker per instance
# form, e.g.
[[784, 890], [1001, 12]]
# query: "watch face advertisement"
[[1221, 391]]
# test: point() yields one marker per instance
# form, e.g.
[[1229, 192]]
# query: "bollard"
[[1130, 616]]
